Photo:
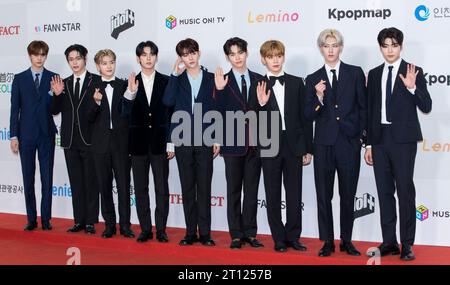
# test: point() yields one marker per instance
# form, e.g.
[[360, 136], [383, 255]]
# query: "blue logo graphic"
[[422, 13]]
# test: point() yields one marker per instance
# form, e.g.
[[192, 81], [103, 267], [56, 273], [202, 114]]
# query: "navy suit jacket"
[[230, 99], [30, 108], [344, 112], [405, 122], [178, 94]]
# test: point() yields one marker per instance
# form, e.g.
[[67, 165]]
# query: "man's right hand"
[[14, 146], [219, 79], [98, 96], [177, 69], [320, 88], [57, 85]]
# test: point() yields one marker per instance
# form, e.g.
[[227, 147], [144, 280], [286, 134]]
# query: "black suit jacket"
[[230, 99], [149, 122], [298, 128], [99, 116], [345, 111], [405, 122], [74, 109]]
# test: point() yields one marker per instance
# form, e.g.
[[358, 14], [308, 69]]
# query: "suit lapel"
[[184, 84], [156, 94], [232, 83], [401, 70], [328, 90], [86, 83], [378, 90]]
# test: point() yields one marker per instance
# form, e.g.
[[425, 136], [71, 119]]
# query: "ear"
[[138, 60], [263, 60]]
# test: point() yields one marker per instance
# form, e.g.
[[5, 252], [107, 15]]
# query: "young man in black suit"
[[110, 141], [191, 86], [395, 90], [336, 100], [149, 127], [71, 99], [242, 163], [284, 94]]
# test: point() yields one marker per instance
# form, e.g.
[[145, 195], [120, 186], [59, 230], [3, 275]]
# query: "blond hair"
[[102, 53], [271, 48], [330, 33]]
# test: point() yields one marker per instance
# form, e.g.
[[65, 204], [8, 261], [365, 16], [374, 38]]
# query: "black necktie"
[[77, 88], [334, 85], [389, 95], [36, 81], [244, 88], [275, 78], [112, 83]]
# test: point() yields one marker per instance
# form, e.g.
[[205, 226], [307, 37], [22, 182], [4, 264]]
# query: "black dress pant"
[[242, 174], [85, 193], [393, 164], [114, 163], [160, 169], [195, 166], [287, 167], [345, 158]]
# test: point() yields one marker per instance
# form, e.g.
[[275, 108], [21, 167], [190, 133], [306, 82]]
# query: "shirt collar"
[[271, 74], [150, 78], [329, 68], [396, 64], [108, 80], [82, 76]]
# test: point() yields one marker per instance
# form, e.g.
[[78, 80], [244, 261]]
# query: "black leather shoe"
[[90, 229], [280, 246], [236, 244], [296, 245], [127, 232], [144, 236], [188, 240], [253, 242], [407, 254], [207, 241], [327, 248], [162, 237], [109, 232], [46, 226], [30, 226], [385, 249], [76, 228], [349, 248]]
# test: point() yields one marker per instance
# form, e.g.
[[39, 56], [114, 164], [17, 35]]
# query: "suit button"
[[150, 126], [336, 106], [337, 118], [149, 114]]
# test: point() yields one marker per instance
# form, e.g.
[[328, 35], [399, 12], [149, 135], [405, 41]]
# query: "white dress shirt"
[[278, 91]]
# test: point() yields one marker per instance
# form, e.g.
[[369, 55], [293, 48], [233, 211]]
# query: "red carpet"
[[50, 247]]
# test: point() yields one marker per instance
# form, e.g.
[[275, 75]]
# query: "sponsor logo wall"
[[121, 25]]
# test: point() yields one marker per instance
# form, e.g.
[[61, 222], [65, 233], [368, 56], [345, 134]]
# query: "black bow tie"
[[275, 78], [112, 83]]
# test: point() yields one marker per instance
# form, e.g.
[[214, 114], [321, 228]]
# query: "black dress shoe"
[[385, 249], [407, 253], [236, 244], [188, 240], [253, 242], [280, 246], [349, 248], [30, 226], [76, 228], [296, 245], [90, 229], [327, 248], [207, 241], [127, 232], [144, 236], [162, 237], [109, 232], [46, 226]]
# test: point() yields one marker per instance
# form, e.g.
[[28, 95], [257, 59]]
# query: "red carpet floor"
[[50, 247]]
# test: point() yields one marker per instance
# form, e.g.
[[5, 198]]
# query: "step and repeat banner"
[[121, 25]]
